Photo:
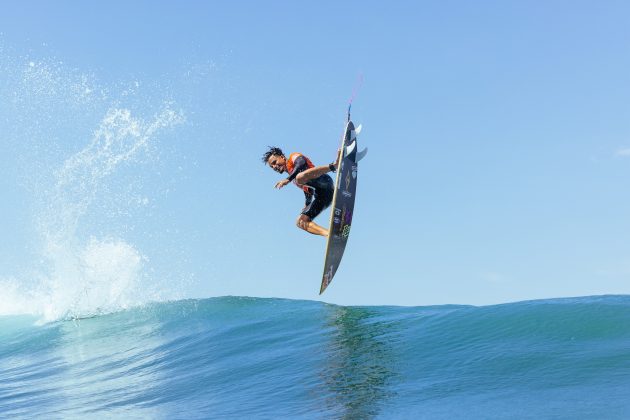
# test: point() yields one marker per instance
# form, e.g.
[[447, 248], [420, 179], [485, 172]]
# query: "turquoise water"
[[263, 358]]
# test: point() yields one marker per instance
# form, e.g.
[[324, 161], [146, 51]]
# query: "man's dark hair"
[[273, 151]]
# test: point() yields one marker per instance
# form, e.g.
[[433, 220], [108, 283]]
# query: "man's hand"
[[282, 183], [335, 164]]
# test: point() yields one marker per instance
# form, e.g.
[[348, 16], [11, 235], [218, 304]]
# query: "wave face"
[[263, 358]]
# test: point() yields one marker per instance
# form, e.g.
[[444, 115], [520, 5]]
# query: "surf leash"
[[355, 91]]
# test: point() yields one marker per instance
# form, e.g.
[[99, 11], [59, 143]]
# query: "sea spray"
[[86, 176], [82, 181], [102, 275]]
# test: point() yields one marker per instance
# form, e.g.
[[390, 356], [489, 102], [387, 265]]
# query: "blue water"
[[263, 358]]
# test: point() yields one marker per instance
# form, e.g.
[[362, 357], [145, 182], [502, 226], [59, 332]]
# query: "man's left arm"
[[282, 183], [299, 167]]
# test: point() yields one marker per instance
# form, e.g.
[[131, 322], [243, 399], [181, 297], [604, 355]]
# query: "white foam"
[[105, 276], [85, 277], [85, 188]]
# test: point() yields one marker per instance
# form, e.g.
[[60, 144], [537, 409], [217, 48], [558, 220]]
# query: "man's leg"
[[306, 223]]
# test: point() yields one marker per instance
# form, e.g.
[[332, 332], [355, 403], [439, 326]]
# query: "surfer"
[[317, 185]]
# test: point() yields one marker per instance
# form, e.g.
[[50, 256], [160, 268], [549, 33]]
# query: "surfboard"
[[342, 206]]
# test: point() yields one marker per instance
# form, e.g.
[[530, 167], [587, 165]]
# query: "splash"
[[103, 277], [87, 266], [121, 139]]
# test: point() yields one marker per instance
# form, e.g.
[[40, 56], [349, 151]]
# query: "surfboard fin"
[[362, 154], [349, 149]]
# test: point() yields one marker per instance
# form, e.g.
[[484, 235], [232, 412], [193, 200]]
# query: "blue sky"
[[498, 133]]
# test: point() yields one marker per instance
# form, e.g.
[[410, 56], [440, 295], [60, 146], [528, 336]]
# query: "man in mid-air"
[[317, 185]]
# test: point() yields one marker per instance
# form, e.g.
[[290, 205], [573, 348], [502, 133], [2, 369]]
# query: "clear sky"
[[499, 138]]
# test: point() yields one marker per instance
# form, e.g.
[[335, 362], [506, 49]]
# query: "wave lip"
[[237, 356]]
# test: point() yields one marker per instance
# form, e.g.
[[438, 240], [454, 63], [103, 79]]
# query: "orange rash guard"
[[295, 165]]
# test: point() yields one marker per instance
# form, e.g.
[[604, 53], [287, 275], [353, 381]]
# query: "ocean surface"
[[240, 357]]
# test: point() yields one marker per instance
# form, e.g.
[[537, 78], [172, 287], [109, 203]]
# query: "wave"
[[253, 357]]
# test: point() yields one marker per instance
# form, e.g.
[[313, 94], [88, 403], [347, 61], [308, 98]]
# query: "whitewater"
[[86, 156]]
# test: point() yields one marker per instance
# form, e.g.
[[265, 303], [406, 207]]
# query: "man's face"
[[277, 163]]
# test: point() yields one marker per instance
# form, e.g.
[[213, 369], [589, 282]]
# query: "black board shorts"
[[324, 189]]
